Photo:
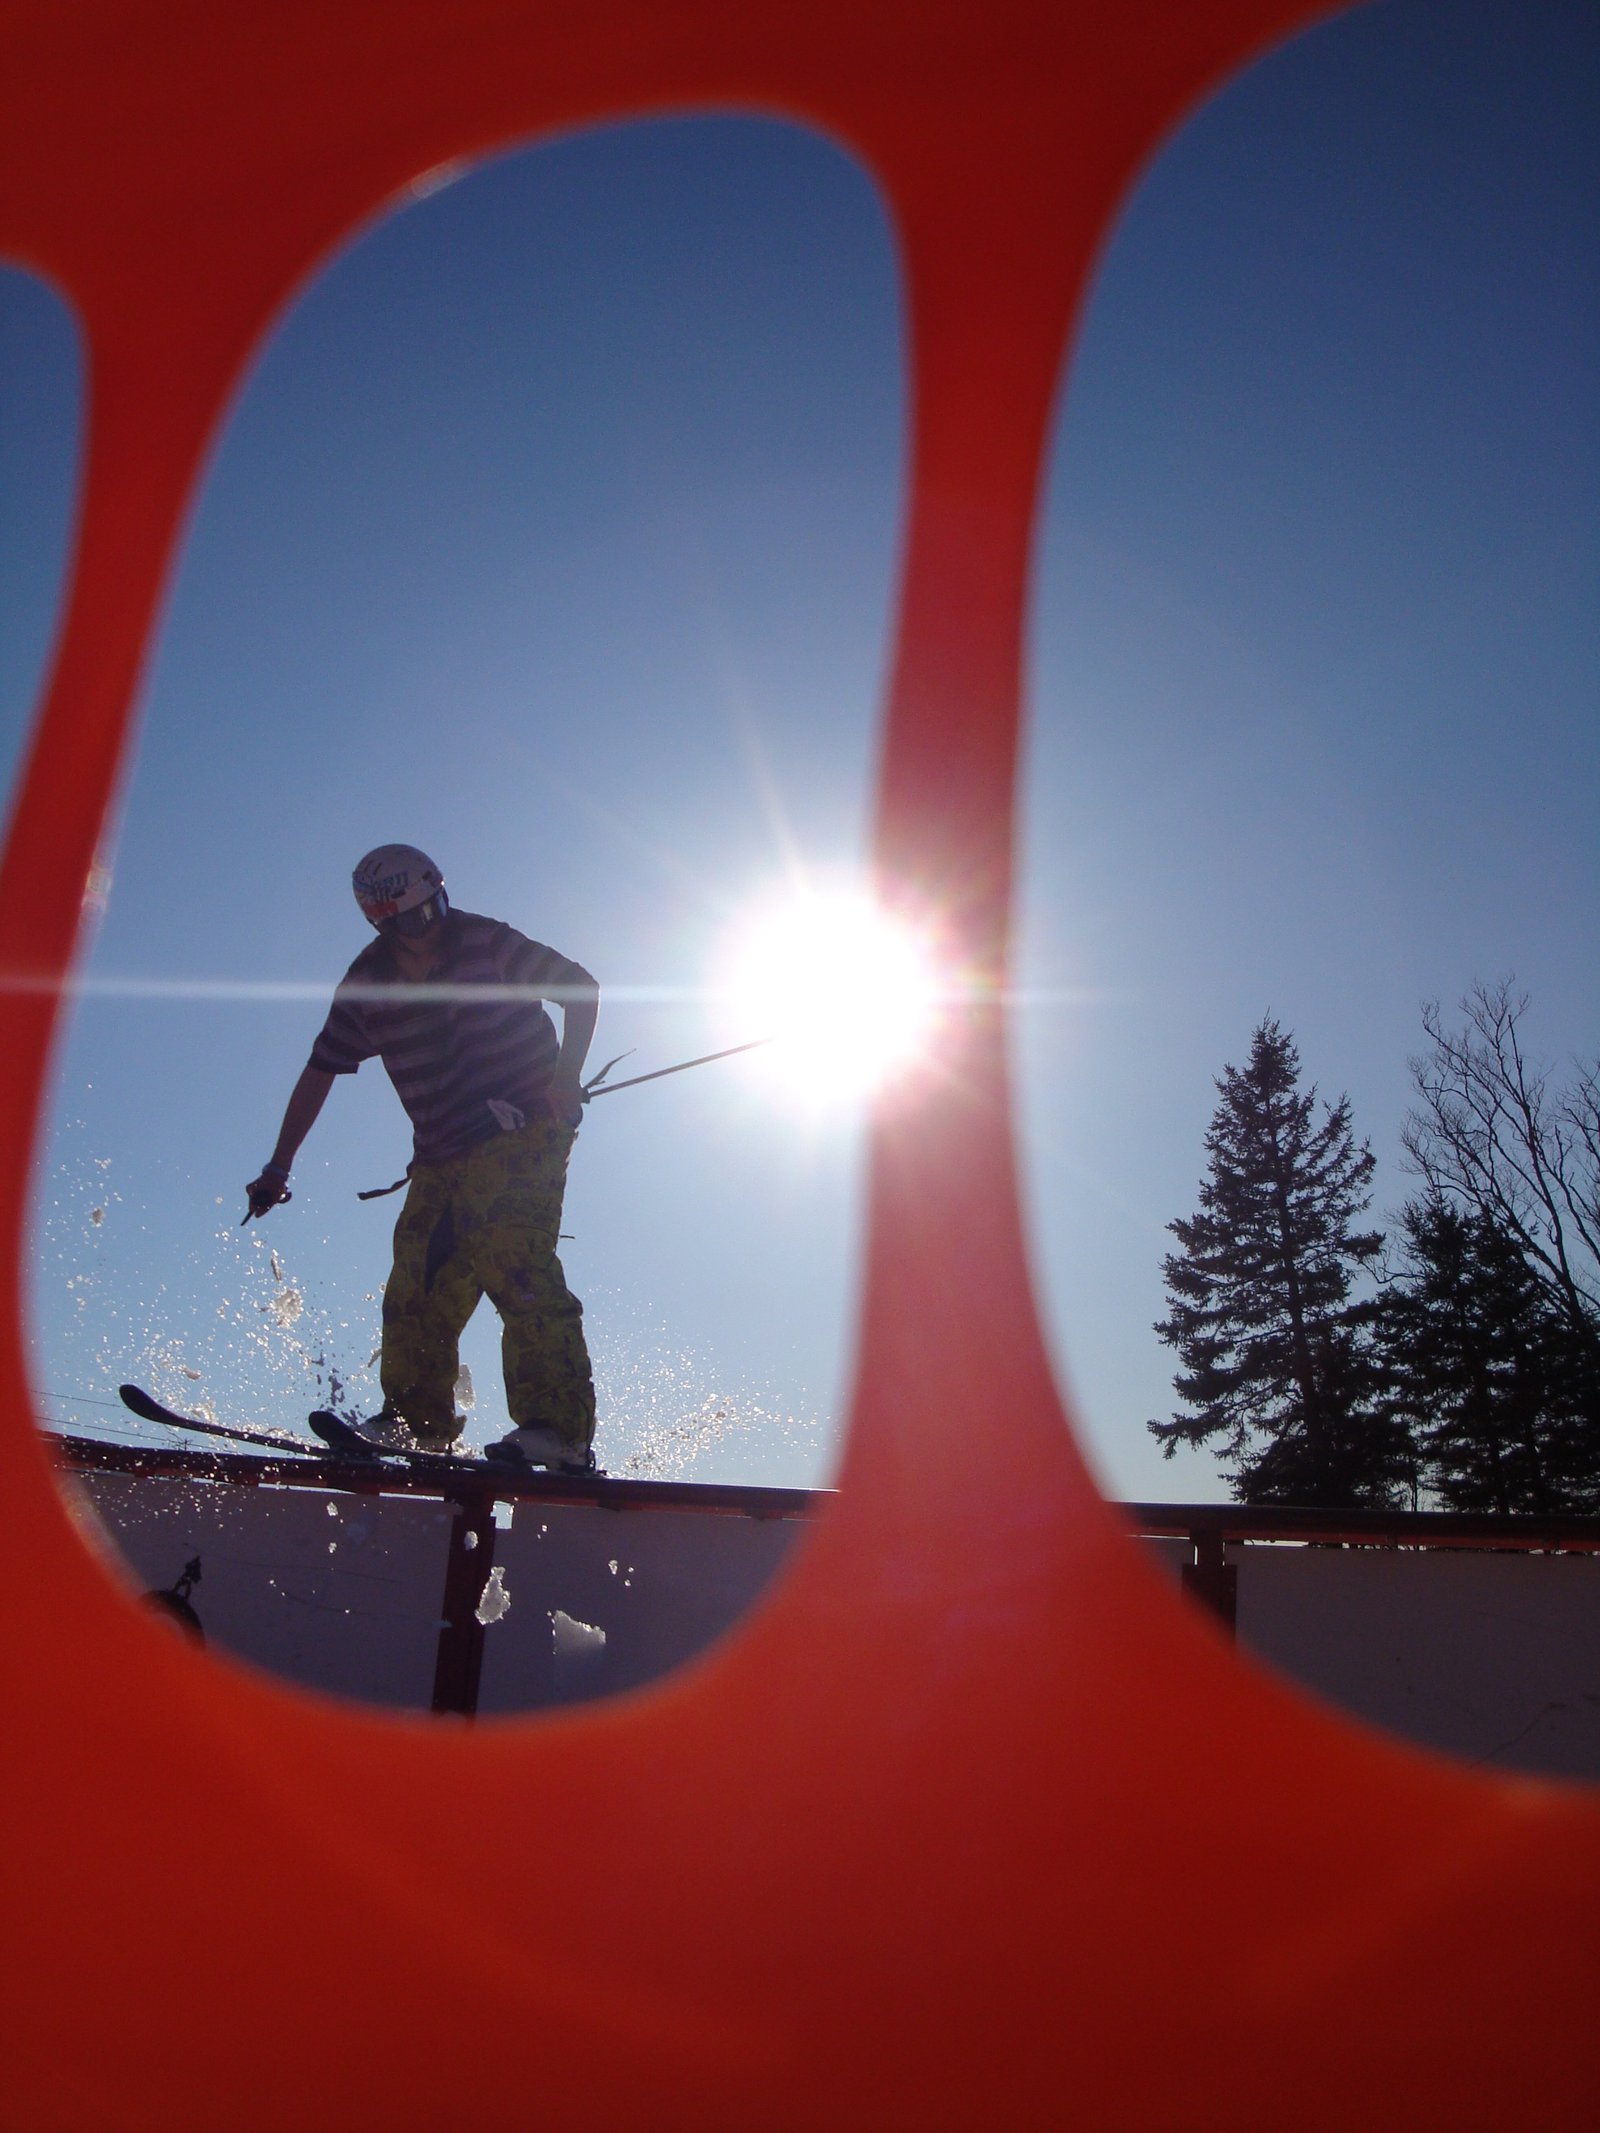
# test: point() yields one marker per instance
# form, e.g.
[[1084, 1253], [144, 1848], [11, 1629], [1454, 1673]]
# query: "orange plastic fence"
[[975, 1824]]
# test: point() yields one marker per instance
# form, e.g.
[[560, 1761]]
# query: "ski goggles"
[[420, 919]]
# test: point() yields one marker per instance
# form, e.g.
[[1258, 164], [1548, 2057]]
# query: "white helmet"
[[397, 878]]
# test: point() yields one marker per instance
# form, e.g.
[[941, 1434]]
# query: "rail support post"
[[460, 1659], [1210, 1578]]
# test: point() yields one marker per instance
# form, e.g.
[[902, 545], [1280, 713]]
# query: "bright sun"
[[848, 994]]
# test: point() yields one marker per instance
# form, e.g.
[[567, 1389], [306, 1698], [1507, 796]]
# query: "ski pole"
[[593, 1088]]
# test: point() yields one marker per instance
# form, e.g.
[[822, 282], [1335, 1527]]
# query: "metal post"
[[467, 1566], [1211, 1578]]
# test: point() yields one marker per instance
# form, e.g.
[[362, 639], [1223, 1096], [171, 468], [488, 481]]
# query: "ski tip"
[[338, 1436], [136, 1398]]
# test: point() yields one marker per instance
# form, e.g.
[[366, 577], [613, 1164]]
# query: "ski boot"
[[535, 1445]]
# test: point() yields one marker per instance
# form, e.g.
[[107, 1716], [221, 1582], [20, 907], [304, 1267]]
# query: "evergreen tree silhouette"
[[1485, 1371], [1277, 1360]]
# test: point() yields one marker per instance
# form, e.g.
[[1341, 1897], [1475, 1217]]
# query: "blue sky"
[[555, 530]]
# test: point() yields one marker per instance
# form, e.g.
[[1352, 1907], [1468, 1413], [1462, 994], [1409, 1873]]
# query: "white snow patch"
[[496, 1600]]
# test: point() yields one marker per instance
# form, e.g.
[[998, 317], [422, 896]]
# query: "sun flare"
[[848, 993]]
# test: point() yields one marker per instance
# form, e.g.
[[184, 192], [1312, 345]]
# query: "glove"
[[565, 1104], [266, 1192]]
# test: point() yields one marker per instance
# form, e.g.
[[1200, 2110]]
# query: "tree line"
[[1454, 1361]]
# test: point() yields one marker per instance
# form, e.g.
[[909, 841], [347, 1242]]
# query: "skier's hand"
[[266, 1192], [566, 1100]]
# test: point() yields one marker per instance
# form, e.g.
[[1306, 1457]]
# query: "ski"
[[337, 1435], [341, 1438], [148, 1409], [351, 1442]]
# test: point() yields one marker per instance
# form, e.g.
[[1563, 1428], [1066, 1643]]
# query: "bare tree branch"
[[1490, 1136]]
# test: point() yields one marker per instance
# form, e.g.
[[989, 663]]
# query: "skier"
[[495, 1103]]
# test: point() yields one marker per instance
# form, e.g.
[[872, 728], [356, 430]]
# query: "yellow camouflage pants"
[[485, 1224]]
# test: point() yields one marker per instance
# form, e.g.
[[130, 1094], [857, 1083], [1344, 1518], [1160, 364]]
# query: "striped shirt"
[[452, 1057]]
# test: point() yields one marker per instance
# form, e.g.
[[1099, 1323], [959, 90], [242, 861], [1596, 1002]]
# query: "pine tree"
[[1485, 1371], [1277, 1359]]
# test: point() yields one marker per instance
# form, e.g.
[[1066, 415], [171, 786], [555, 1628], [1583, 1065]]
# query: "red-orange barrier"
[[948, 1836]]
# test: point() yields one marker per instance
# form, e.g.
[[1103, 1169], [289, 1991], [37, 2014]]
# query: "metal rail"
[[1367, 1529], [475, 1488], [1228, 1522], [468, 1478], [1209, 1528]]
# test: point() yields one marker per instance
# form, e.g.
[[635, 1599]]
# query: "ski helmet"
[[394, 879]]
